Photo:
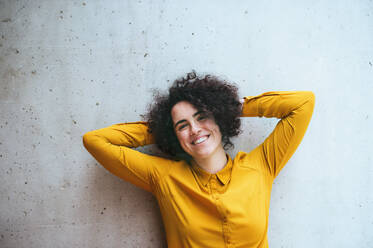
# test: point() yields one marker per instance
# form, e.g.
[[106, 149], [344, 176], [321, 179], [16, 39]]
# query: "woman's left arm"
[[294, 109]]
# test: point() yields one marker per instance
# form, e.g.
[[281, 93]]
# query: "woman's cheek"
[[182, 138]]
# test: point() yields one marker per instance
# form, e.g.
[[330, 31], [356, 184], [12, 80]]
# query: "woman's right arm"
[[111, 147]]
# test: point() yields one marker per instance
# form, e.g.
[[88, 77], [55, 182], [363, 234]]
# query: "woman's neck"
[[213, 163]]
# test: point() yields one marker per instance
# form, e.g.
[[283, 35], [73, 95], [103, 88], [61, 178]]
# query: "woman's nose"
[[195, 128]]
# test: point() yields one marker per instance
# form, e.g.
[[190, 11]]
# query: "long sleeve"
[[111, 147], [294, 109]]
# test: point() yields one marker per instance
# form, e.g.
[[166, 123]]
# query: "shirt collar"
[[224, 175]]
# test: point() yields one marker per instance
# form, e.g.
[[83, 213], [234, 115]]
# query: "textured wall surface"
[[68, 67]]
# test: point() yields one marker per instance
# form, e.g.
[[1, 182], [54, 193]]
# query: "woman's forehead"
[[183, 109]]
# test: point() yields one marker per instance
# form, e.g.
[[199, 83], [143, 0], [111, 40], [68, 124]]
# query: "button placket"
[[215, 194], [226, 230], [213, 186]]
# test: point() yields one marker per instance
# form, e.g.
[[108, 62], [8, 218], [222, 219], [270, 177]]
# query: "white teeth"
[[200, 140]]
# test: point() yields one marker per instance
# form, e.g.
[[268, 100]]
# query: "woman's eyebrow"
[[177, 123], [183, 120], [198, 113]]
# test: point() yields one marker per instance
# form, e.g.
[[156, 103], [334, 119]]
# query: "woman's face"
[[198, 134]]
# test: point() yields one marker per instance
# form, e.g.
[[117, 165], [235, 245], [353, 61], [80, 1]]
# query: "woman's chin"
[[202, 154]]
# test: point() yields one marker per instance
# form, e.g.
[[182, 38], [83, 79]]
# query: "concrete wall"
[[68, 67]]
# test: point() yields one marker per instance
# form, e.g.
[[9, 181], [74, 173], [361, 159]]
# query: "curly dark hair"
[[209, 94]]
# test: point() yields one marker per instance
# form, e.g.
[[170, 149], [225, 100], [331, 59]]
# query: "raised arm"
[[111, 146], [295, 109]]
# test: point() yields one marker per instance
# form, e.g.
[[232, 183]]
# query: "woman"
[[206, 198]]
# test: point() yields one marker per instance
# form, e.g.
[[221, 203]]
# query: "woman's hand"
[[242, 101]]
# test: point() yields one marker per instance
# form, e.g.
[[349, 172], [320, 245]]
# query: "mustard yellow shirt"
[[199, 209]]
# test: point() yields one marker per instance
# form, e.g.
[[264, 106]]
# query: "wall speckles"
[[6, 20], [67, 68]]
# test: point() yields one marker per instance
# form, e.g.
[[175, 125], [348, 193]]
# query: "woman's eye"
[[201, 117], [181, 127]]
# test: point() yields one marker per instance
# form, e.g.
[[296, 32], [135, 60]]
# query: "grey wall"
[[68, 67]]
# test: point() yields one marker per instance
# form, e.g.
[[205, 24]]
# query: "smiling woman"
[[199, 136], [206, 198], [216, 99]]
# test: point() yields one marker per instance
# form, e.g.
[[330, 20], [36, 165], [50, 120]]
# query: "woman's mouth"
[[200, 140]]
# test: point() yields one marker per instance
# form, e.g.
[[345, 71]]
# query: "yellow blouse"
[[199, 209]]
